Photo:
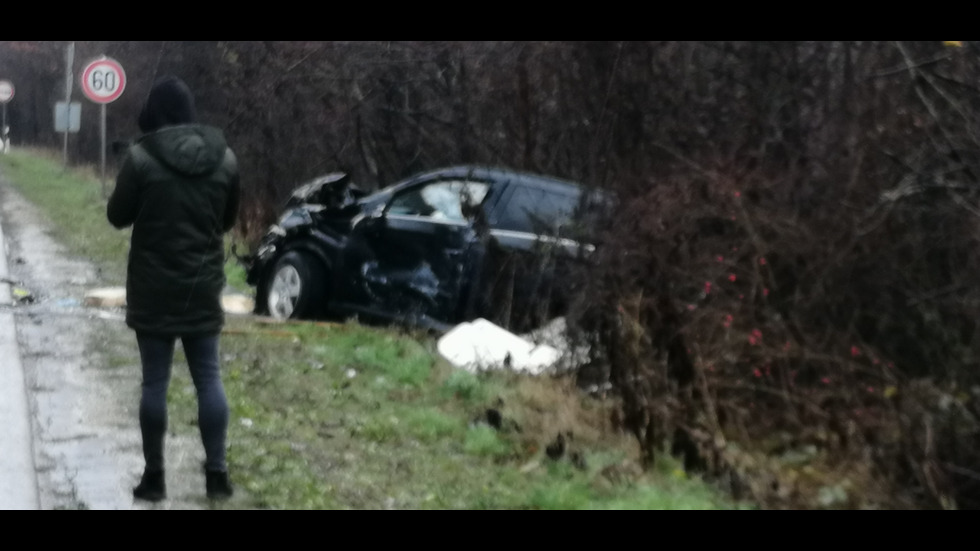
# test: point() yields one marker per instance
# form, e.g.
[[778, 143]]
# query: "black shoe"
[[151, 487], [218, 485]]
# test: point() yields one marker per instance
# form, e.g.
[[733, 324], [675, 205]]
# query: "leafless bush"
[[809, 290]]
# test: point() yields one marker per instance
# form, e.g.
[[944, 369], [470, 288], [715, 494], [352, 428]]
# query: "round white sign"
[[6, 91], [103, 80]]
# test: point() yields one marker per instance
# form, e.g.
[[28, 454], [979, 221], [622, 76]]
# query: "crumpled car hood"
[[332, 191]]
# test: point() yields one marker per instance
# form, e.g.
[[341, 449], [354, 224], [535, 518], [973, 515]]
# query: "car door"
[[527, 259], [530, 217], [411, 260]]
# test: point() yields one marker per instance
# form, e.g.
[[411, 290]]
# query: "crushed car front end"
[[316, 218]]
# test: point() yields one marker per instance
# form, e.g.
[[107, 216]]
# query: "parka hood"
[[190, 149], [170, 102]]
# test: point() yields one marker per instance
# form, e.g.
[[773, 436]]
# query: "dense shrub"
[[821, 291]]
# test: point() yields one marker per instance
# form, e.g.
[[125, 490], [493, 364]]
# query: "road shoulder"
[[18, 482]]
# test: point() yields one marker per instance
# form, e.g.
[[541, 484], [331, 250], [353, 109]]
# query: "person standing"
[[178, 187]]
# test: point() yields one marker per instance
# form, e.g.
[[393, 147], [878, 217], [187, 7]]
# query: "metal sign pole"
[[103, 151], [68, 77], [103, 81]]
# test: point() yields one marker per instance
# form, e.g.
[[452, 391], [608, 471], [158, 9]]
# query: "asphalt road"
[[18, 484], [69, 384]]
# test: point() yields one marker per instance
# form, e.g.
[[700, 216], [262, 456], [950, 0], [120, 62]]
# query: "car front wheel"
[[296, 287]]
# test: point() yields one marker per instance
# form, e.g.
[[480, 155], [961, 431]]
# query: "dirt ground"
[[81, 367]]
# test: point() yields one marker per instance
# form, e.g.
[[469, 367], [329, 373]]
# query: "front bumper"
[[255, 264]]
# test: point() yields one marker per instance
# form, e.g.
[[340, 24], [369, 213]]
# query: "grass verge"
[[345, 416]]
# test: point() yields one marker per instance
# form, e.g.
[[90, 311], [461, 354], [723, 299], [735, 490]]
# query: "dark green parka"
[[179, 189]]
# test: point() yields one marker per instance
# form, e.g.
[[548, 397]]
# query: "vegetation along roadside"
[[344, 416]]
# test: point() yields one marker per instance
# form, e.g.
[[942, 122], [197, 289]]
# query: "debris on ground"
[[482, 345], [115, 297], [106, 297], [21, 295]]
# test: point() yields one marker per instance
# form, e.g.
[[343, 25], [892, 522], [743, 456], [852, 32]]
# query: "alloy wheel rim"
[[284, 292]]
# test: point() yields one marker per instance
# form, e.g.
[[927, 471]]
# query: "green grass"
[[74, 203], [344, 416]]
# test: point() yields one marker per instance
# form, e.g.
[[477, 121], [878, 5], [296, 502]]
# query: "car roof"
[[495, 174], [481, 172]]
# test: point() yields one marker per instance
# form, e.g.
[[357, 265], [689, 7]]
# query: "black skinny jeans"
[[157, 354]]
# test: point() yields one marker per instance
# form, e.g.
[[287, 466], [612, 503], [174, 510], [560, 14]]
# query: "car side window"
[[443, 200], [538, 211]]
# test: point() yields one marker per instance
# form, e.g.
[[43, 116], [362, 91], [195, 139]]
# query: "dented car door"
[[414, 257]]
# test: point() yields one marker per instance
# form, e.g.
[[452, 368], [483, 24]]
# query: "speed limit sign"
[[103, 80], [6, 91]]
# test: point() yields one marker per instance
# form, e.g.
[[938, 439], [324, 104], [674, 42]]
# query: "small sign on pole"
[[6, 94], [6, 91], [67, 116], [103, 81]]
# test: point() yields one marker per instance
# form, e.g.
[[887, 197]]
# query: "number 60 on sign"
[[103, 80]]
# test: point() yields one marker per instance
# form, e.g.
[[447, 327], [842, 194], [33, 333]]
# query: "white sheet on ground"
[[481, 345]]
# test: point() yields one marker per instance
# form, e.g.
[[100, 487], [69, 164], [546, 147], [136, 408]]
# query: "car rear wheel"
[[295, 288]]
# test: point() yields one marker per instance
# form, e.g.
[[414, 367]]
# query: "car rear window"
[[538, 211]]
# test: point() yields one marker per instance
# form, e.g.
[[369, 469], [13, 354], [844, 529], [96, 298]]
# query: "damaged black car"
[[434, 250]]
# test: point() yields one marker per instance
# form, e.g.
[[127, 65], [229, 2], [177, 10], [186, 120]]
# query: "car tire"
[[295, 287]]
